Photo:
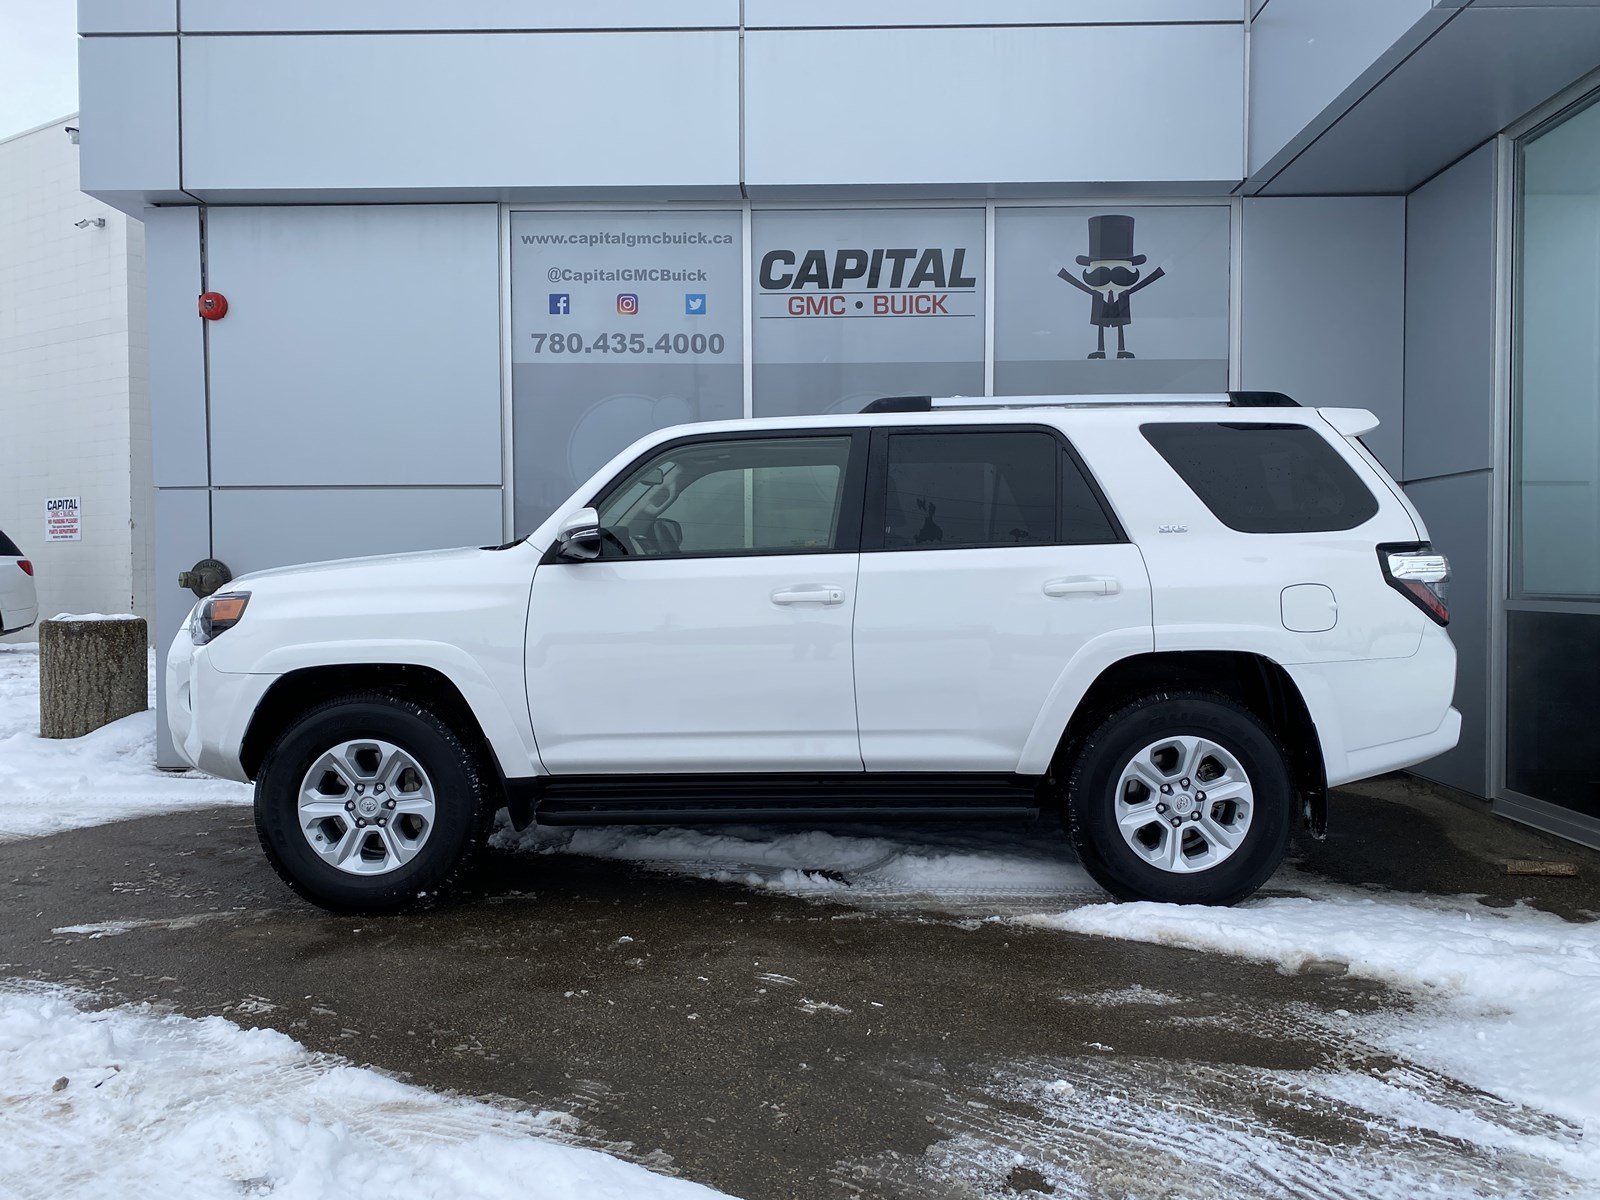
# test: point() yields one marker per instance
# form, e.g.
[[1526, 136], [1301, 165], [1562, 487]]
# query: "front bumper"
[[208, 711]]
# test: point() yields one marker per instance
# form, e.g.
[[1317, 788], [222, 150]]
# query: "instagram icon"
[[627, 303]]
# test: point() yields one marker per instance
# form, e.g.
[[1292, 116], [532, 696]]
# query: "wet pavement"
[[775, 1047]]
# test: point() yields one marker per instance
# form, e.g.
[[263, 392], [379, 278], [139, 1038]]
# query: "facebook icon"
[[560, 303]]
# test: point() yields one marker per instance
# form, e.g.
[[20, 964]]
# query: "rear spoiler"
[[1352, 422]]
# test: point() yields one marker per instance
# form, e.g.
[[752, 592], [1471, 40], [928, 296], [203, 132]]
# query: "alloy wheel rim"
[[366, 807], [1184, 804]]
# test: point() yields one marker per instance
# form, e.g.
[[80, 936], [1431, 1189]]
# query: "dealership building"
[[460, 254]]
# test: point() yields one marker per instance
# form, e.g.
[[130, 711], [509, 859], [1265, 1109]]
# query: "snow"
[[50, 785], [95, 617], [1507, 999], [108, 1103], [965, 868]]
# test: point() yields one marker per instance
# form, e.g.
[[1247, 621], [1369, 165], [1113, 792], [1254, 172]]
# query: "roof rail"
[[897, 404], [1261, 400], [911, 404]]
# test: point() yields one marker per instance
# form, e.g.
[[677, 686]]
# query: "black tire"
[[463, 812], [1092, 800]]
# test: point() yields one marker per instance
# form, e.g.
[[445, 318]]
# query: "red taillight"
[[27, 567], [1420, 575]]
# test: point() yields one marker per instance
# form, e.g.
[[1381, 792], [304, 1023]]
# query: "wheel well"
[[297, 691], [1258, 683]]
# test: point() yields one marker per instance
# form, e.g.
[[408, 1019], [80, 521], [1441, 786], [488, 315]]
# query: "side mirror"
[[579, 535]]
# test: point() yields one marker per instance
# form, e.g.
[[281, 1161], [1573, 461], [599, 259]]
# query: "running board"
[[721, 799]]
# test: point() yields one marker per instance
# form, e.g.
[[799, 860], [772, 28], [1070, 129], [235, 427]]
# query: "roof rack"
[[911, 404]]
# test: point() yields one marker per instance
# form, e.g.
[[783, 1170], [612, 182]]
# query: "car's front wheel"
[[370, 803], [1185, 798]]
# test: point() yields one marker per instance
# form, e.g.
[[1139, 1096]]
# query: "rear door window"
[[1265, 478], [969, 488], [8, 548]]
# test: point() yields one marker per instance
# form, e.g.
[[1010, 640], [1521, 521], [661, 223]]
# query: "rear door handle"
[[809, 593], [1083, 585]]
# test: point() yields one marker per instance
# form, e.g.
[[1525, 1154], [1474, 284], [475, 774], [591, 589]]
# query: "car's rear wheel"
[[1184, 798], [370, 803]]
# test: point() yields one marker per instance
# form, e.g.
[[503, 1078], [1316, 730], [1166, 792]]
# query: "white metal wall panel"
[[1323, 306], [128, 114], [1304, 53], [766, 14], [177, 346], [322, 16], [361, 345], [127, 16], [461, 111], [931, 106]]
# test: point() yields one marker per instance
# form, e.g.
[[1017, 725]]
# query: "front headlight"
[[216, 614]]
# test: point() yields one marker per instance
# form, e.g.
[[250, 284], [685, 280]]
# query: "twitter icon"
[[694, 304]]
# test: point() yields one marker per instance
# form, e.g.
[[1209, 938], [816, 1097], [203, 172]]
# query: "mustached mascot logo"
[[1110, 274]]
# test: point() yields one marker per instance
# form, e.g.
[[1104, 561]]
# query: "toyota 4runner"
[[1179, 619]]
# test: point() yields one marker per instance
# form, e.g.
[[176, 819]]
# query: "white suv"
[[1181, 618], [19, 599]]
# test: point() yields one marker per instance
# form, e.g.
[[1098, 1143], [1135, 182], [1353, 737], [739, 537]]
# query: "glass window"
[[1556, 457], [622, 323], [853, 304], [1260, 478], [1127, 299], [756, 496], [1552, 628], [8, 548], [1084, 520], [967, 489]]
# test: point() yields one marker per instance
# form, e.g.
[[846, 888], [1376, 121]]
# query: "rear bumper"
[[1377, 715], [1408, 752], [15, 620]]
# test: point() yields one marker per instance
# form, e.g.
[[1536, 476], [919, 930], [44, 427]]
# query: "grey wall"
[[1323, 306], [1450, 320], [1457, 510], [1449, 421], [988, 106], [361, 345], [352, 101], [1304, 53], [349, 403]]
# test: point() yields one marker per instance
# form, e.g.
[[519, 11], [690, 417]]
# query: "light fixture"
[[97, 222], [72, 134]]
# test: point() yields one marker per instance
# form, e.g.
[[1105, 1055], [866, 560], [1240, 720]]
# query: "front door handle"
[[1083, 585], [809, 593]]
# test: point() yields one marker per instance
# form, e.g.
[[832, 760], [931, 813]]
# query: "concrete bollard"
[[92, 671]]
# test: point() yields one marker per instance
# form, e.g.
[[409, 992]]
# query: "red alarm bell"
[[213, 306]]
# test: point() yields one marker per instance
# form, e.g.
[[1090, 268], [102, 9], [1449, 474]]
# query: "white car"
[[1181, 619], [19, 599]]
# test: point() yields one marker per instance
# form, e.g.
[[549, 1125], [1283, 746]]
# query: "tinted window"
[[970, 488], [8, 548], [1083, 516], [761, 496], [1265, 478]]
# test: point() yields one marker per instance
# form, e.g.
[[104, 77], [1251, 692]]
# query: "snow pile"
[[47, 786], [965, 862], [1509, 998], [95, 617], [120, 1102]]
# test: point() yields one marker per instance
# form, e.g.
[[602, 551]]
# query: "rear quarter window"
[[8, 548], [1265, 478]]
